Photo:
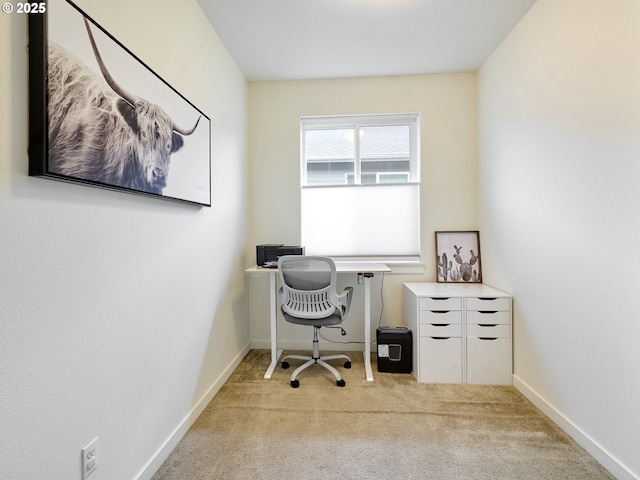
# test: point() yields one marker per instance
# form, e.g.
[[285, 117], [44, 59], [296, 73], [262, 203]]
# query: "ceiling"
[[320, 39]]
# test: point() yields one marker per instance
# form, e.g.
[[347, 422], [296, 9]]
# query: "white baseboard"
[[582, 439], [170, 443]]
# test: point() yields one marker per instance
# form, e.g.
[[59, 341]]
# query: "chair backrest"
[[308, 286]]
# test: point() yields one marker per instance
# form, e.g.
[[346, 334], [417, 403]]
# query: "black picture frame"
[[458, 257], [99, 116]]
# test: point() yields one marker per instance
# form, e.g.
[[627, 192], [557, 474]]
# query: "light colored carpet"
[[392, 428]]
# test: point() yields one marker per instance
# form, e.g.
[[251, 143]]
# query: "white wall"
[[559, 189], [447, 105], [119, 314]]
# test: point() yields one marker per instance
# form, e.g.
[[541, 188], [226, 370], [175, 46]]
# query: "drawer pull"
[[440, 311], [439, 298], [487, 324], [488, 298], [440, 324], [488, 338], [488, 312], [440, 338]]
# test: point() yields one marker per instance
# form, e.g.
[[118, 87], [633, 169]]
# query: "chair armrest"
[[344, 299]]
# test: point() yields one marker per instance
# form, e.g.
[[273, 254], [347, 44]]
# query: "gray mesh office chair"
[[308, 297]]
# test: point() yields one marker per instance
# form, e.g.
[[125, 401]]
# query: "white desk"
[[368, 269]]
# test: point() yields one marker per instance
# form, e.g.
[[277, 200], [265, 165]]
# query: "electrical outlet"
[[90, 458]]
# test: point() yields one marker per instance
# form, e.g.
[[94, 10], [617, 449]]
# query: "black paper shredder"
[[394, 349]]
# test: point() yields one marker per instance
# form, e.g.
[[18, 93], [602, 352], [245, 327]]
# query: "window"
[[360, 186]]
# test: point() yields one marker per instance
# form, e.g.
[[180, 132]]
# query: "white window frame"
[[412, 120], [398, 229], [378, 175]]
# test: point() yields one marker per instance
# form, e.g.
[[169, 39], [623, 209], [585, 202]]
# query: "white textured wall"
[[560, 196], [447, 105], [118, 313]]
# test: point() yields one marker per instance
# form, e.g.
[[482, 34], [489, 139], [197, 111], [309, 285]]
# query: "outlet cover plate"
[[90, 458]]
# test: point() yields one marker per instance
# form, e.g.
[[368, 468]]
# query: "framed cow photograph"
[[99, 116]]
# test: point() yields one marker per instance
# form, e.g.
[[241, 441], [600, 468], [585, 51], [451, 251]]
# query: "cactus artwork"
[[466, 268], [464, 248], [443, 267]]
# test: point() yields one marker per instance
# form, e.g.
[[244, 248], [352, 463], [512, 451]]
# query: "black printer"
[[267, 255]]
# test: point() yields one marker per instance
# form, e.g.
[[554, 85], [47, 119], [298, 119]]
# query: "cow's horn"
[[186, 132], [105, 73]]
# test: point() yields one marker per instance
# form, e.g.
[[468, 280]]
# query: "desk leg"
[[367, 327], [275, 353]]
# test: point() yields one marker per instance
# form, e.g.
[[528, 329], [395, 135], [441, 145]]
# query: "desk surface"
[[454, 289], [341, 267]]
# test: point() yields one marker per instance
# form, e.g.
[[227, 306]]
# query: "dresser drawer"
[[488, 303], [441, 330], [445, 316], [440, 303], [488, 317], [489, 361], [440, 360], [488, 331]]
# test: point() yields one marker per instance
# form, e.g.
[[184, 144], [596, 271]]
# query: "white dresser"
[[461, 332]]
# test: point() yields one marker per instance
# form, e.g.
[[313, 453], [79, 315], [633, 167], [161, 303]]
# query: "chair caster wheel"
[[295, 383], [285, 365], [340, 383], [347, 364]]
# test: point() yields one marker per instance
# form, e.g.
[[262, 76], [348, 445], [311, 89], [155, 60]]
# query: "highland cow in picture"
[[110, 120], [98, 131]]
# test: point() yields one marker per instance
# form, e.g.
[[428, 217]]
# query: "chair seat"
[[318, 322]]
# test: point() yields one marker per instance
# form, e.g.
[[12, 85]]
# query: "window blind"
[[374, 221]]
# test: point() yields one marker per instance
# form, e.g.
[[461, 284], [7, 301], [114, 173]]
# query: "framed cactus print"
[[458, 257]]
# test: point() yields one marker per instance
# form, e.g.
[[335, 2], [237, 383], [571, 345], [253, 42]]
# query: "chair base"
[[316, 359]]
